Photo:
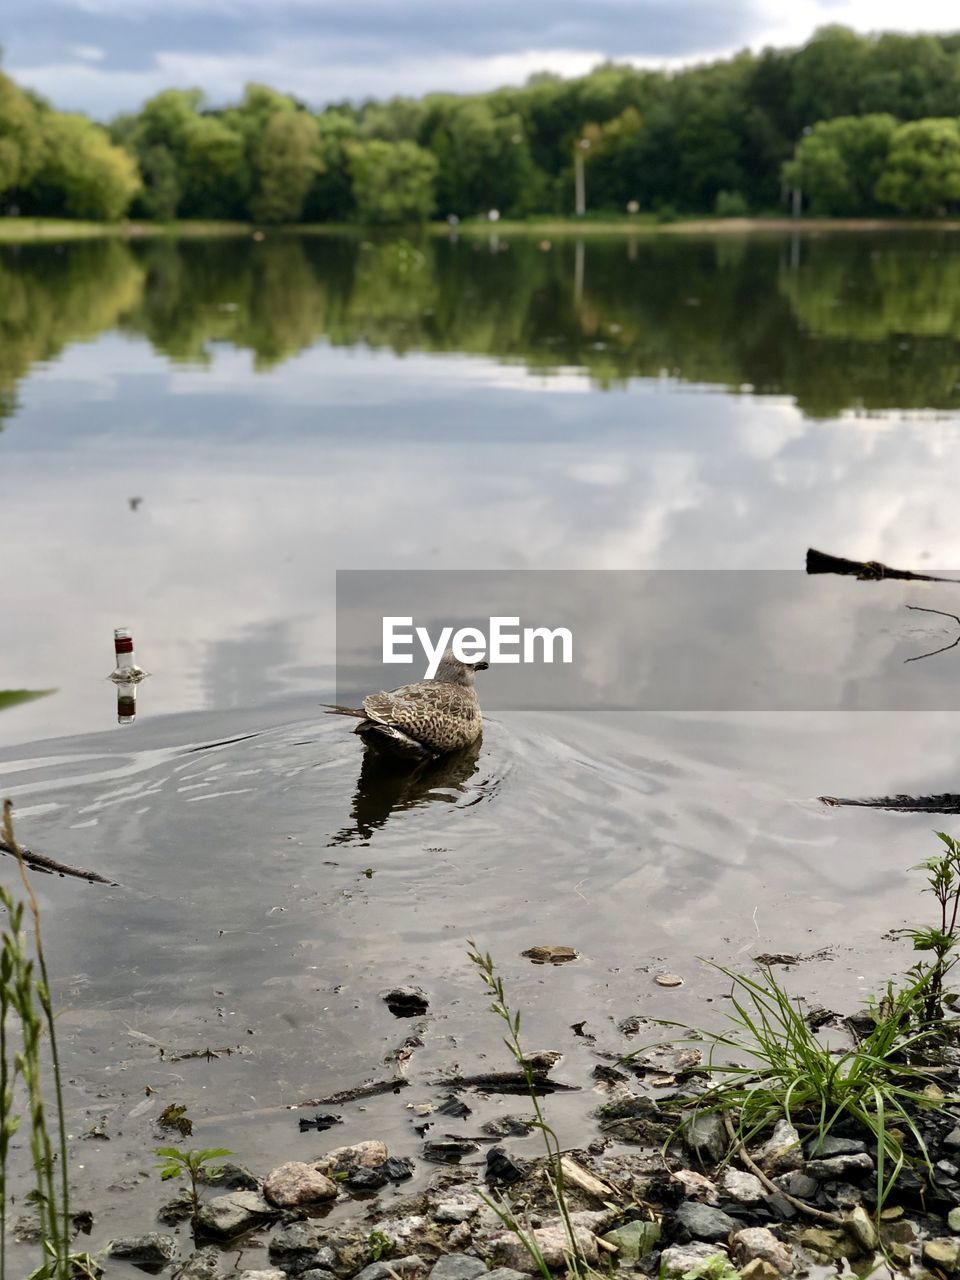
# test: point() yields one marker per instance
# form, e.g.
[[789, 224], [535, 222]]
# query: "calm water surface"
[[196, 436]]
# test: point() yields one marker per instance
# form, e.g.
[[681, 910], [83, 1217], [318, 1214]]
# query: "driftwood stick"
[[51, 867], [865, 570], [820, 1214]]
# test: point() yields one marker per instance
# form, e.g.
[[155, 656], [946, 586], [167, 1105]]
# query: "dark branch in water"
[[919, 608], [506, 1082], [368, 1090], [51, 867], [945, 803], [865, 570]]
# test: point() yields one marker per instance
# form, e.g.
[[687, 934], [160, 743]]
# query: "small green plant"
[[789, 1073], [379, 1246], [499, 1006], [717, 1267], [192, 1164], [942, 938]]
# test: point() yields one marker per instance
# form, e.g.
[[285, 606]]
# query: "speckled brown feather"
[[440, 716]]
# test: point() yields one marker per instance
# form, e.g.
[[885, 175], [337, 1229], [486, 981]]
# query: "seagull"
[[423, 720]]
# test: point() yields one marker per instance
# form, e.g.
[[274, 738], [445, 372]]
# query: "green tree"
[[922, 173], [21, 137], [392, 181], [82, 173], [838, 163], [286, 160], [483, 158]]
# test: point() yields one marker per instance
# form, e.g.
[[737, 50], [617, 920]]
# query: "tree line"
[[844, 125]]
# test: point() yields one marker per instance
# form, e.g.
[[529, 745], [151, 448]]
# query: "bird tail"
[[334, 709]]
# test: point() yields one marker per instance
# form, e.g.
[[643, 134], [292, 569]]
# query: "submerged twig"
[[865, 570], [919, 608], [51, 867]]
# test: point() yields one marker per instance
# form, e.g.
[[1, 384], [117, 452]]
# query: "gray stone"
[[754, 1243], [861, 1226], [505, 1273], [745, 1188], [234, 1214], [676, 1261], [851, 1166], [703, 1222], [634, 1240], [953, 1219], [230, 1177], [800, 1185], [460, 1210], [297, 1242], [272, 1274], [696, 1186], [395, 1266], [952, 1139], [315, 1273], [150, 1250], [706, 1137], [507, 1251], [944, 1254], [781, 1153], [457, 1266], [202, 1265], [835, 1146], [294, 1184]]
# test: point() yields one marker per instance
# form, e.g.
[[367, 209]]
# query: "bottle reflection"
[[126, 703], [126, 675], [385, 788]]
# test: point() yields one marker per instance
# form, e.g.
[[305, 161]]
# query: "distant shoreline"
[[37, 230]]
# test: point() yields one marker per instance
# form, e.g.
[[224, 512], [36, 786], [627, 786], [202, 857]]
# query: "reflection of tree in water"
[[386, 787], [870, 323]]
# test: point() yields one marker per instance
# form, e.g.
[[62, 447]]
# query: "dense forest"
[[845, 125]]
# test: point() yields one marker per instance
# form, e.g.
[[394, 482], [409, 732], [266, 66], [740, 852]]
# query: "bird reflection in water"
[[385, 787]]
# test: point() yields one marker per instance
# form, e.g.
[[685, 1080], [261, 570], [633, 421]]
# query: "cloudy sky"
[[104, 56]]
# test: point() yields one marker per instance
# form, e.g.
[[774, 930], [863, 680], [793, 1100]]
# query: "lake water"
[[196, 436]]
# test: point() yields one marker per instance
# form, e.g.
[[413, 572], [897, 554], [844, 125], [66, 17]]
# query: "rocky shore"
[[786, 1207]]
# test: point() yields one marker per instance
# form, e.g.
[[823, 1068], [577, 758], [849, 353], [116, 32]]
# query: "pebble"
[[823, 1243], [832, 1145], [202, 1265], [457, 1266], [840, 1167], [759, 1270], [944, 1254], [505, 1273], [396, 1266], [953, 1219], [861, 1226], [406, 1002], [634, 1240], [705, 1136], [294, 1184], [782, 1152], [696, 1186], [798, 1184], [366, 1155], [668, 980], [297, 1242], [676, 1261], [150, 1250], [233, 1214], [507, 1251], [271, 1274], [952, 1139], [457, 1210], [760, 1243], [702, 1222], [745, 1188]]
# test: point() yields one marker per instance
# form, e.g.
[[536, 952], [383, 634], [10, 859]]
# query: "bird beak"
[[481, 666]]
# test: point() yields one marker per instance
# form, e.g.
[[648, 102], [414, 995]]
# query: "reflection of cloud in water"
[[251, 502]]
